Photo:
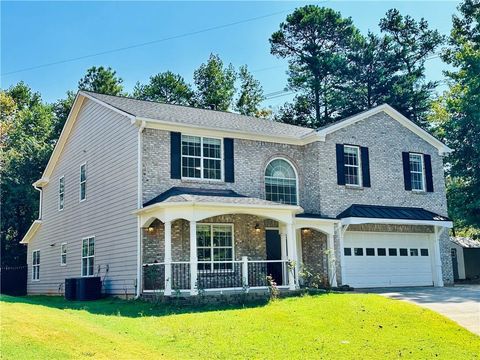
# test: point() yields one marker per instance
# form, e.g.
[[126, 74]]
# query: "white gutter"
[[359, 220], [142, 125]]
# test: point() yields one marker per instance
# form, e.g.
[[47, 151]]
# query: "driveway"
[[461, 303]]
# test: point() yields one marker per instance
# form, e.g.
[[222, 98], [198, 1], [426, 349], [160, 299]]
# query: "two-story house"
[[158, 197]]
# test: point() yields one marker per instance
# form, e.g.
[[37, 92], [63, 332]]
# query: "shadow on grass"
[[136, 308]]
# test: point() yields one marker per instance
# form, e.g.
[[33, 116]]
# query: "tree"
[[457, 116], [316, 41], [413, 42], [166, 87], [299, 112], [101, 80], [250, 93], [215, 84], [26, 147], [61, 108]]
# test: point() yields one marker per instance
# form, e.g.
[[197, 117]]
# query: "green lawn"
[[330, 326]]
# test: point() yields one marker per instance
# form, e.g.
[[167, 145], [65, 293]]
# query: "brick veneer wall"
[[314, 259]]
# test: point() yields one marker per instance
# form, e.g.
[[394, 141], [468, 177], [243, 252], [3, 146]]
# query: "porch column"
[[168, 257], [437, 258], [283, 249], [193, 258], [341, 231], [332, 272], [292, 256]]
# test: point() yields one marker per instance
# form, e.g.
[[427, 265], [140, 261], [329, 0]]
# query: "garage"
[[387, 259]]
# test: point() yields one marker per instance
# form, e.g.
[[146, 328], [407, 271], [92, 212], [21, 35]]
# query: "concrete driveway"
[[461, 303]]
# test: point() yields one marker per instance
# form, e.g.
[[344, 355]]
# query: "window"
[[63, 254], [424, 252], [347, 251], [36, 265], [201, 158], [83, 182], [281, 182], [413, 252], [358, 251], [215, 246], [392, 252], [61, 193], [382, 252], [403, 252], [88, 256], [370, 251], [352, 165], [417, 172]]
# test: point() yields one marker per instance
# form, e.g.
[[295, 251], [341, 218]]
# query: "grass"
[[330, 326]]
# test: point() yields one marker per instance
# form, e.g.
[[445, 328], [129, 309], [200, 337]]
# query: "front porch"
[[239, 248]]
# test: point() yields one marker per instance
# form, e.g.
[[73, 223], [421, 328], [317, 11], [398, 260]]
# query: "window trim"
[[297, 182], [359, 166], [82, 182], [61, 254], [211, 262], [422, 160], [202, 178], [82, 257], [61, 195], [36, 265]]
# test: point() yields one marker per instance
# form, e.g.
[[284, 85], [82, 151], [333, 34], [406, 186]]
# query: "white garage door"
[[387, 259]]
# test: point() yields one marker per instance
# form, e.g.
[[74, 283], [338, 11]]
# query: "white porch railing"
[[229, 275]]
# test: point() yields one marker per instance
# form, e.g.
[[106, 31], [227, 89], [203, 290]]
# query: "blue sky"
[[37, 33]]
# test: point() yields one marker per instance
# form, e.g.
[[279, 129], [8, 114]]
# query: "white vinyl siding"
[[88, 256], [353, 174], [61, 193], [201, 158], [417, 172], [36, 265], [83, 182]]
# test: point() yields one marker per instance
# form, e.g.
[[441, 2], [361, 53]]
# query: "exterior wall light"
[[257, 228]]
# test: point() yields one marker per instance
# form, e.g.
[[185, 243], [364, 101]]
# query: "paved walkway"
[[461, 303]]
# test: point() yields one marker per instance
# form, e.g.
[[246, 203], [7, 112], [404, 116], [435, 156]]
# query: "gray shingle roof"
[[201, 117], [465, 242]]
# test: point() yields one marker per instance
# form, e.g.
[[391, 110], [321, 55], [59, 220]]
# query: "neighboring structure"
[[157, 197], [465, 254]]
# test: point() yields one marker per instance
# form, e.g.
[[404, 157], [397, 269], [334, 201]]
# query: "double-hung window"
[[417, 172], [63, 254], [83, 182], [215, 246], [352, 165], [36, 265], [88, 256], [61, 193], [201, 157]]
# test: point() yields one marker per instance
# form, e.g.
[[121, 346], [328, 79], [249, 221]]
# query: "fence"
[[13, 280]]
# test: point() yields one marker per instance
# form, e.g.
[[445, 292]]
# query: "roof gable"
[[394, 114]]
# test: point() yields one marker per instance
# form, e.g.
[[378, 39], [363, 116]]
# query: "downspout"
[[40, 202], [139, 206]]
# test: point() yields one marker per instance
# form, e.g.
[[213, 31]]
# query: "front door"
[[455, 264], [274, 252]]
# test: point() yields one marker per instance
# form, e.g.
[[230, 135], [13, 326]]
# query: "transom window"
[[83, 182], [215, 246], [61, 193], [36, 265], [63, 254], [88, 256], [352, 165], [281, 182], [417, 172], [201, 157]]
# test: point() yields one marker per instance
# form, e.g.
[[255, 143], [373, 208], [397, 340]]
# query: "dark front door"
[[455, 264], [274, 252]]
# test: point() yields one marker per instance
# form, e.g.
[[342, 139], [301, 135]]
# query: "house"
[[465, 254], [157, 197]]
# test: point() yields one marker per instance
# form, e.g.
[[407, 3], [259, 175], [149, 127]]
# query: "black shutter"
[[340, 164], [229, 160], [175, 155], [427, 160], [407, 177], [365, 167]]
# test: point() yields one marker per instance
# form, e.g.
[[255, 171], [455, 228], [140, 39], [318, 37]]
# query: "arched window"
[[281, 182]]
